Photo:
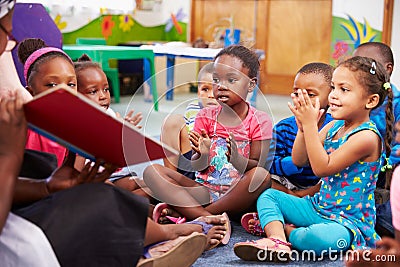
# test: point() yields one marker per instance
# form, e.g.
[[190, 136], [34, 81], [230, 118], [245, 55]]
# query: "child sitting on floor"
[[316, 79], [387, 253], [384, 55], [345, 205], [230, 144], [44, 68], [92, 83], [176, 128]]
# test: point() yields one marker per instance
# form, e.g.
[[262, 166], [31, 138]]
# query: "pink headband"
[[38, 53]]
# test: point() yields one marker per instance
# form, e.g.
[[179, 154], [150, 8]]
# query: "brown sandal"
[[182, 251]]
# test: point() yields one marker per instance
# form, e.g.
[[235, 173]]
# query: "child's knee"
[[268, 195], [151, 172], [258, 179], [315, 238]]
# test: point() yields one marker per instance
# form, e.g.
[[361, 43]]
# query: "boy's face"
[[205, 91], [316, 86]]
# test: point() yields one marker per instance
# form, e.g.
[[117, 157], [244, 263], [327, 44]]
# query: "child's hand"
[[201, 143], [133, 119], [388, 248], [67, 176], [12, 126], [303, 109], [389, 245], [232, 147], [194, 141], [397, 129]]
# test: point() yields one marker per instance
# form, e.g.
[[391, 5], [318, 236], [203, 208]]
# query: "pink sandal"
[[157, 214], [256, 251], [257, 230]]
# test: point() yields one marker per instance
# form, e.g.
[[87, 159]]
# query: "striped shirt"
[[190, 114], [282, 165]]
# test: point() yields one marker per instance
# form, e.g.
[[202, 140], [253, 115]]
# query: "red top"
[[38, 142]]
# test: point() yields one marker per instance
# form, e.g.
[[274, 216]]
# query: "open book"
[[69, 118]]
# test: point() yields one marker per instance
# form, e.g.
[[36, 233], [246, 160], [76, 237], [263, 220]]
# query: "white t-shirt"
[[24, 244]]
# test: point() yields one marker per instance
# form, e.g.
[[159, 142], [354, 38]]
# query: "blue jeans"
[[313, 232]]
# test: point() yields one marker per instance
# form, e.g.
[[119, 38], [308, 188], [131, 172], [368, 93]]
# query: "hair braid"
[[389, 135]]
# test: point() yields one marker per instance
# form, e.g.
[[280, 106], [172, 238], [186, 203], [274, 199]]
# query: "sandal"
[[207, 227], [157, 214], [257, 251], [182, 251], [257, 230]]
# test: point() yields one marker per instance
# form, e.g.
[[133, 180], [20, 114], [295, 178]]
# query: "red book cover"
[[69, 118]]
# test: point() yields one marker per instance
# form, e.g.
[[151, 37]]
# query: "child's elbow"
[[321, 172], [298, 162]]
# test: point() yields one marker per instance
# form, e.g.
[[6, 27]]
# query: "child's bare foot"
[[289, 228], [169, 215], [215, 227], [251, 224], [164, 214]]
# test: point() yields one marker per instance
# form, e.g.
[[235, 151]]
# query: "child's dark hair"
[[206, 69], [28, 46], [318, 68], [85, 62], [385, 52], [248, 57], [373, 77]]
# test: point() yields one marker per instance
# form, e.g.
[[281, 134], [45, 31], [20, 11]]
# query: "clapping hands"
[[304, 110], [232, 147], [200, 143]]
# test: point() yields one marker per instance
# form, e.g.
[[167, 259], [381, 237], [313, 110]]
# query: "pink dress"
[[221, 174]]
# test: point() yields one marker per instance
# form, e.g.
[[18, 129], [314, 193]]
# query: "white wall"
[[395, 43], [117, 5], [372, 10]]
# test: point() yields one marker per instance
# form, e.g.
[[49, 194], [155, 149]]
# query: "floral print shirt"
[[221, 174]]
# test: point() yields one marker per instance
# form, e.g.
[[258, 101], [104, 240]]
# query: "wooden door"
[[291, 32]]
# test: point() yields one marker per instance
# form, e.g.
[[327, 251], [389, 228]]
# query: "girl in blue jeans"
[[348, 157]]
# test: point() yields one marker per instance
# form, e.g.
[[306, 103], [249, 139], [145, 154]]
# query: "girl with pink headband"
[[44, 68]]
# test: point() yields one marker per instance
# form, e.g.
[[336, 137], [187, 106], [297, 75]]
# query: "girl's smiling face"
[[231, 81], [57, 71], [347, 97], [93, 84]]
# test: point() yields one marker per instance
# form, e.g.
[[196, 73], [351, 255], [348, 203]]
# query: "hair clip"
[[372, 70], [387, 166], [386, 86]]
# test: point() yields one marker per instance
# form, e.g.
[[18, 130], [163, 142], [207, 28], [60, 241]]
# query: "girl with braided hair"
[[348, 159]]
